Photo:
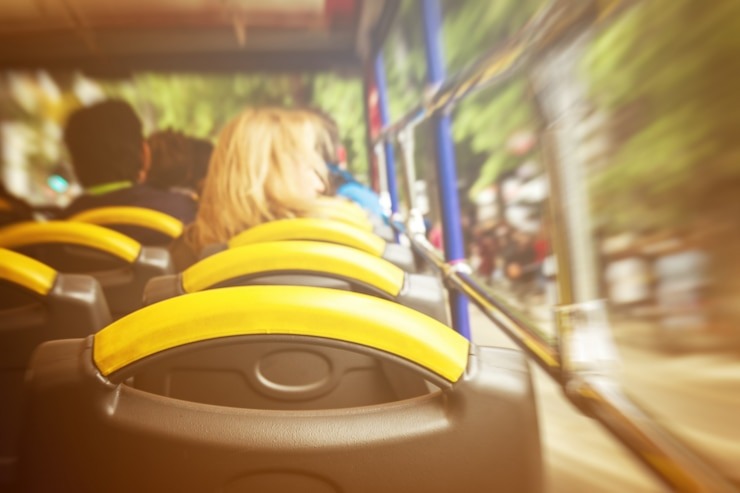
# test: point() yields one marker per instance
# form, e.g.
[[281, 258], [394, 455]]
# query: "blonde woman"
[[265, 166]]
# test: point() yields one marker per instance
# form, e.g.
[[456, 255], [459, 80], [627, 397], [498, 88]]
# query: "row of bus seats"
[[37, 304], [304, 355], [120, 264]]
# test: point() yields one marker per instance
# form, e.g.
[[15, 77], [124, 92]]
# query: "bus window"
[[463, 38], [403, 57], [505, 190], [621, 137], [36, 164], [644, 146]]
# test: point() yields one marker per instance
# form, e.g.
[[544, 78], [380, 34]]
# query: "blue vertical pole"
[[390, 162], [450, 204]]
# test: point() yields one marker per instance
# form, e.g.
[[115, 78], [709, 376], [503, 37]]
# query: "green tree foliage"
[[666, 72], [405, 73], [201, 104], [35, 106], [342, 99], [198, 104], [473, 27], [485, 122], [405, 62], [667, 75]]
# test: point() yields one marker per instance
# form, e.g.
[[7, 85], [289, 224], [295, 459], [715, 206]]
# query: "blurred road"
[[696, 395]]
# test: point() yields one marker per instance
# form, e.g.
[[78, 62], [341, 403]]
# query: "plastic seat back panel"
[[90, 435], [122, 283], [75, 307], [267, 374]]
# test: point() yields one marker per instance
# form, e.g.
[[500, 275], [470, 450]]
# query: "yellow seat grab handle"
[[346, 206], [132, 216], [342, 216], [70, 233], [363, 320], [26, 272], [294, 256], [343, 211], [312, 229]]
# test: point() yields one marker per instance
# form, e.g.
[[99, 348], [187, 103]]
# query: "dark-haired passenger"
[[111, 160], [179, 163]]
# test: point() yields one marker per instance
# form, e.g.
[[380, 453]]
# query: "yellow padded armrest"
[[342, 216], [71, 233], [314, 230], [347, 206], [298, 256], [132, 216], [290, 310], [343, 211], [26, 272]]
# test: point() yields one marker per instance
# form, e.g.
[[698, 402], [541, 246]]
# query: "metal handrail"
[[587, 383], [591, 388], [527, 338], [555, 23]]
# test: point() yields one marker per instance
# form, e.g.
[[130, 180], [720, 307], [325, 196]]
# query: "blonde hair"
[[254, 174], [328, 138]]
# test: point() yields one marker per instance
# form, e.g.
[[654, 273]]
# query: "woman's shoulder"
[[182, 251]]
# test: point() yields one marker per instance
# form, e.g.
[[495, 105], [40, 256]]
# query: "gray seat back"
[[92, 429], [70, 306]]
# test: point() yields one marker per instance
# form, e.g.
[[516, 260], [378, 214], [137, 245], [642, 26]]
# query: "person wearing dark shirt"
[[110, 158]]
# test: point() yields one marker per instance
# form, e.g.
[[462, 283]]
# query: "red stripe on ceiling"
[[339, 10]]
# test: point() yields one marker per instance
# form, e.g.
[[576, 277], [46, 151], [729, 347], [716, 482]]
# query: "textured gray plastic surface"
[[423, 293], [278, 372], [400, 256], [384, 231], [75, 307], [88, 434], [426, 294], [122, 284]]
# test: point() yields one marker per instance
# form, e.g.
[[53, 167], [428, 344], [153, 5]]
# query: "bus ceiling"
[[112, 38]]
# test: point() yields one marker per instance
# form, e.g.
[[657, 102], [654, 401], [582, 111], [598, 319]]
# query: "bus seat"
[[37, 304], [89, 429], [328, 231], [120, 264], [351, 213], [129, 219], [307, 263]]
